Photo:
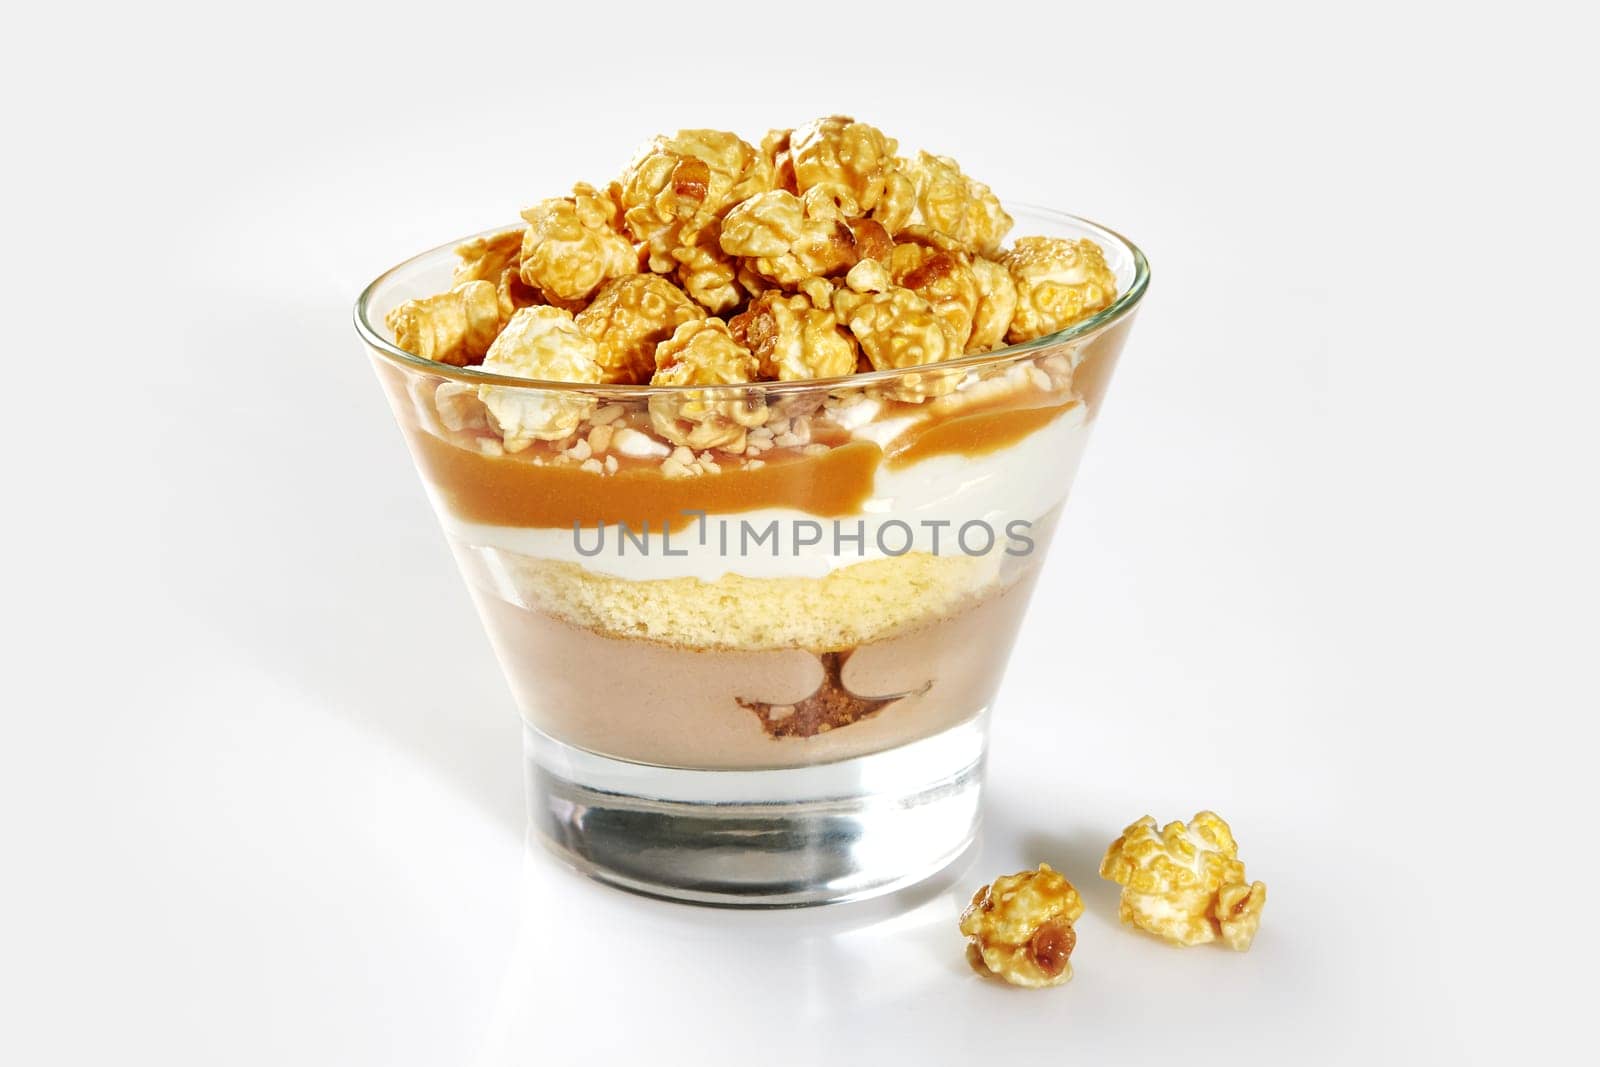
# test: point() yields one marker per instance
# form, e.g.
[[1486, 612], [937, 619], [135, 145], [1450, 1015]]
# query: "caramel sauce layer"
[[976, 434], [508, 491], [519, 490]]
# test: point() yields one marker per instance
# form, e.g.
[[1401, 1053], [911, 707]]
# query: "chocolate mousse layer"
[[675, 705]]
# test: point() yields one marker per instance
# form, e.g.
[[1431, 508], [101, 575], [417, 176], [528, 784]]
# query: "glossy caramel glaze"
[[976, 434], [515, 491]]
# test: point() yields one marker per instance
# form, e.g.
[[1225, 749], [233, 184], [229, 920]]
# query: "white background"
[[1328, 568]]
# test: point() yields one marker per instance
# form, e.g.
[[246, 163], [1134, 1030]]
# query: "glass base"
[[766, 838]]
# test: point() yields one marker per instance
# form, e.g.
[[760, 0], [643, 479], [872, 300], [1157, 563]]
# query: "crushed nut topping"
[[1185, 883], [1020, 928]]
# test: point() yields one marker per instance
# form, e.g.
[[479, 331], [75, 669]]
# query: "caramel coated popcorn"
[[785, 241], [572, 245], [677, 185], [705, 353], [775, 150], [629, 317], [541, 343], [514, 293], [1059, 281], [997, 304], [781, 244], [958, 207], [497, 259], [842, 161], [1185, 883], [709, 274], [1020, 928], [486, 259], [459, 407], [456, 327], [820, 253], [794, 340], [898, 329], [944, 279]]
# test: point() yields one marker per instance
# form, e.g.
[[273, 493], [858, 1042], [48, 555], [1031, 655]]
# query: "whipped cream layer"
[[921, 507]]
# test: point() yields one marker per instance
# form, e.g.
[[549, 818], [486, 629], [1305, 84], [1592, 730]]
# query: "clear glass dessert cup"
[[757, 671]]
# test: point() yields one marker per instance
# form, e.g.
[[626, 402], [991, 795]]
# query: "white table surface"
[[261, 782]]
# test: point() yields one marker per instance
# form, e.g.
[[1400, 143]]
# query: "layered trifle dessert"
[[750, 456]]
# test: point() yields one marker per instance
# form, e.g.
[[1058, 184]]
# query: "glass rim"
[[1118, 309]]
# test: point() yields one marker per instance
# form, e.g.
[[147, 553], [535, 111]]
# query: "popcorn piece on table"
[[1020, 928], [1059, 281], [676, 186], [958, 207], [1185, 883], [572, 245], [628, 317], [455, 327], [543, 343], [705, 353], [793, 340]]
